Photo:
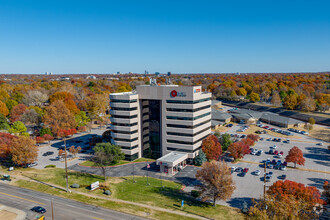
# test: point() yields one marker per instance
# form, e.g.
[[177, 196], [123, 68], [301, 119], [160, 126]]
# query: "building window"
[[188, 135], [124, 132], [124, 116], [187, 126], [183, 150], [187, 102], [188, 118], [129, 148], [186, 142], [125, 140], [123, 101], [123, 109], [187, 110], [123, 124], [131, 157]]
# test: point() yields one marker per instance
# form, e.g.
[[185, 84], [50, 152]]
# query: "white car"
[[273, 147], [257, 172], [233, 168]]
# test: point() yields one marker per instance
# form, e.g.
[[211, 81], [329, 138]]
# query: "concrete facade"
[[185, 118]]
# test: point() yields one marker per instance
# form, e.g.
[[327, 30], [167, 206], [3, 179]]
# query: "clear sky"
[[181, 36]]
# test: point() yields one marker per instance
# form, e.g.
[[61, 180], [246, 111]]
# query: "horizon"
[[67, 37]]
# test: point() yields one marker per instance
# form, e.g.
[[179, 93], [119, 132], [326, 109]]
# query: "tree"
[[253, 137], [217, 134], [5, 145], [30, 117], [61, 153], [81, 119], [72, 107], [74, 151], [254, 97], [276, 99], [58, 117], [311, 121], [3, 109], [3, 123], [24, 151], [295, 156], [326, 191], [60, 96], [211, 147], [107, 154], [290, 101], [45, 130], [10, 103], [17, 127], [242, 92], [225, 141], [35, 98], [216, 181], [107, 135], [48, 137], [308, 105], [200, 158], [17, 112]]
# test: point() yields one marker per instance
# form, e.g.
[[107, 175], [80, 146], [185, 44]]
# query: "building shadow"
[[317, 182], [240, 201]]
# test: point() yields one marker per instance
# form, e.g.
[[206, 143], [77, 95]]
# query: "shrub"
[[75, 185], [194, 193], [50, 166]]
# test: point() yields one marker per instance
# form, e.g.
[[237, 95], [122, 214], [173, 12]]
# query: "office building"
[[155, 120]]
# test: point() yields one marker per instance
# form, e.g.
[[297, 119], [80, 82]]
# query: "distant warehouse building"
[[280, 121], [155, 120]]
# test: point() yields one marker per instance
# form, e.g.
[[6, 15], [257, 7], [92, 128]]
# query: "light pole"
[[52, 209], [66, 166], [265, 181], [148, 174]]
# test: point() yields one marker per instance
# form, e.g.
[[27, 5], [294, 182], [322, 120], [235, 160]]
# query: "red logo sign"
[[174, 93]]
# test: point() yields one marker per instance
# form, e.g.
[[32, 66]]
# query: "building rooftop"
[[280, 119], [171, 157], [218, 115]]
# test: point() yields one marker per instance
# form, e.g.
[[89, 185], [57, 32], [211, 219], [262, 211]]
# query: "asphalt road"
[[64, 209]]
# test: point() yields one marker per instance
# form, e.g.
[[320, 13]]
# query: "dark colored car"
[[273, 161], [282, 177], [285, 163], [39, 209], [239, 169], [48, 153], [270, 174], [242, 174], [245, 170], [271, 151]]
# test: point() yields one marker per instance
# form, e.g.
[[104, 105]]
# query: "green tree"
[[200, 158], [45, 130], [283, 94], [81, 119], [225, 141], [311, 121], [10, 103], [254, 97], [290, 101], [3, 123], [106, 154], [18, 127]]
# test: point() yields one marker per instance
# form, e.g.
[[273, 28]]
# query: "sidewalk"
[[10, 213]]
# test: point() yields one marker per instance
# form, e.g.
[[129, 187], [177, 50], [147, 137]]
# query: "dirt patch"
[[4, 214], [115, 180], [319, 132]]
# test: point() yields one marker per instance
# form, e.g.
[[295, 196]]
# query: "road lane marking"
[[97, 218], [22, 198]]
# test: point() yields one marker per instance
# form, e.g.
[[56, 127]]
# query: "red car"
[[281, 153], [245, 170], [275, 152]]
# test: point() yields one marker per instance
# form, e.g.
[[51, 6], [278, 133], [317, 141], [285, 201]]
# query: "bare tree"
[[30, 117], [35, 98]]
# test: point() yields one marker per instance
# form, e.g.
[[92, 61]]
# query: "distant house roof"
[[215, 123], [279, 119], [251, 113], [220, 116]]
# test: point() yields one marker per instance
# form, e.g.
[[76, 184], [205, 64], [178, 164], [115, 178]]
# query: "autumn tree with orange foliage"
[[5, 145], [23, 150], [64, 96], [240, 148], [288, 200], [211, 147], [58, 117], [295, 156], [3, 109], [17, 112], [216, 181]]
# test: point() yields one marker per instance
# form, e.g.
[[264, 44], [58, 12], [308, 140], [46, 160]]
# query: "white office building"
[[155, 120]]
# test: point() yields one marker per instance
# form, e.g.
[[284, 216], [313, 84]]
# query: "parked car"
[[271, 151], [282, 168], [261, 139], [257, 172], [270, 174], [239, 169], [270, 166], [32, 164], [273, 147], [39, 209], [282, 177], [284, 163], [48, 153], [245, 170], [242, 174], [320, 144], [268, 178], [233, 169], [274, 161]]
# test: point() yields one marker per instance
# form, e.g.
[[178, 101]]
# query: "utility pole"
[[66, 166], [52, 209], [148, 173]]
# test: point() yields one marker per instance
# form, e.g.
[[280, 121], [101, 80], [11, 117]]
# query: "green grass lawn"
[[169, 196], [89, 163], [142, 159]]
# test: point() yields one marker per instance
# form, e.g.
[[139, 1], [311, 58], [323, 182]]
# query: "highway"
[[64, 209]]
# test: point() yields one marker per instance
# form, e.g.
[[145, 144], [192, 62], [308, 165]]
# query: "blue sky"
[[178, 36]]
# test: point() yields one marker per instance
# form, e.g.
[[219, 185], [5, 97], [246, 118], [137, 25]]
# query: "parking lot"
[[251, 186], [81, 139]]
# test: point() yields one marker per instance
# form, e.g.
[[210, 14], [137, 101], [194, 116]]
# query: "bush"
[[107, 192], [50, 166], [75, 185], [195, 193]]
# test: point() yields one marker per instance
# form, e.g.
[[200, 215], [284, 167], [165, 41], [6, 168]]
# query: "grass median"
[[169, 196]]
